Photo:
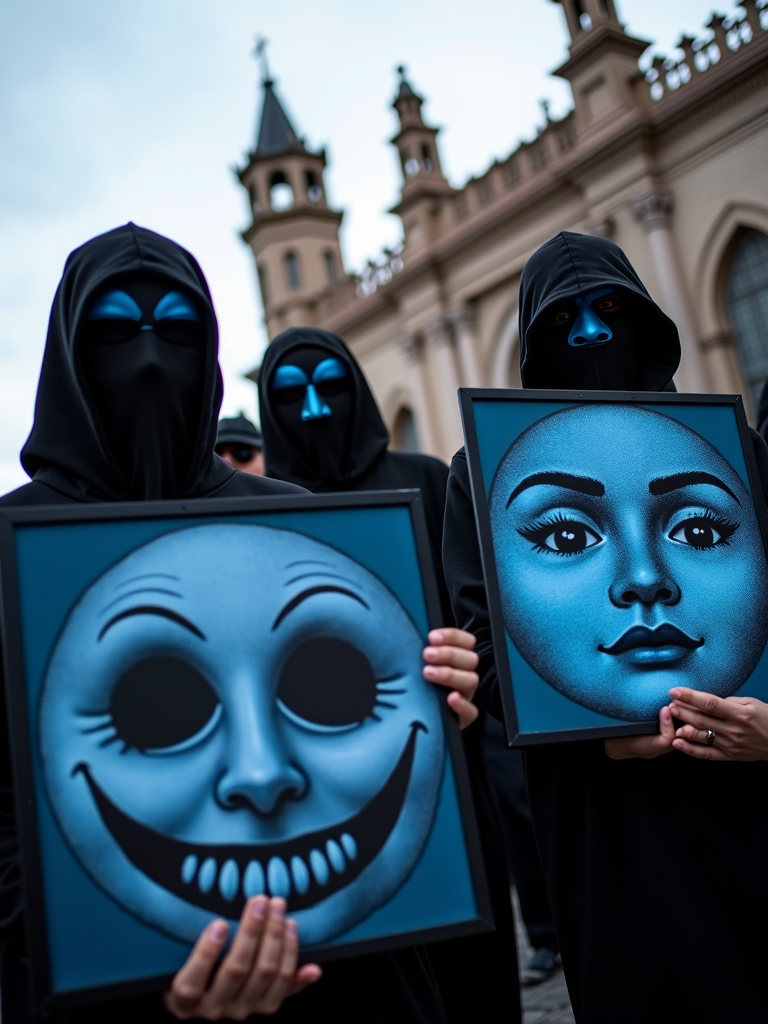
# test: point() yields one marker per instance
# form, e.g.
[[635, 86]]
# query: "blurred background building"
[[670, 163]]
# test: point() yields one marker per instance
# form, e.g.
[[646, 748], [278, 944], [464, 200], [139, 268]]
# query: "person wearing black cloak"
[[655, 861], [323, 430], [126, 410]]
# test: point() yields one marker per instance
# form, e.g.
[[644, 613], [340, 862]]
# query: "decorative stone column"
[[412, 348], [446, 384], [653, 211], [462, 318]]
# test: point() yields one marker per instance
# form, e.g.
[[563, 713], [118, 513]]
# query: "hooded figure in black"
[[636, 852], [323, 430], [127, 409]]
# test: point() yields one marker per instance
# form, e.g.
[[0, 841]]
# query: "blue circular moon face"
[[629, 560], [233, 710]]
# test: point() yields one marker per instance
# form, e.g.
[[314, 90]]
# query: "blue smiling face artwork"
[[629, 560], [238, 709]]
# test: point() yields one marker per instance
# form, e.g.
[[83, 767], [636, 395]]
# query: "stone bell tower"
[[294, 234], [424, 185], [602, 62]]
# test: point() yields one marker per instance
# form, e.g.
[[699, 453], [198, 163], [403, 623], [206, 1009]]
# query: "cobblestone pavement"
[[547, 1003]]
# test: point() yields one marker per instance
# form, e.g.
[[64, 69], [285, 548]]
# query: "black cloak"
[[655, 869], [69, 461], [477, 976]]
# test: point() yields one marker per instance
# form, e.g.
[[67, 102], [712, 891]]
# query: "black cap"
[[239, 430]]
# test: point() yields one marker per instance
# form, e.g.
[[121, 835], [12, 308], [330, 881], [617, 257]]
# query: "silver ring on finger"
[[710, 740]]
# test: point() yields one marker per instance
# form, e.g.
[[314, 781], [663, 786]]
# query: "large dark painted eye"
[[161, 702], [703, 532], [561, 536], [180, 332], [328, 682]]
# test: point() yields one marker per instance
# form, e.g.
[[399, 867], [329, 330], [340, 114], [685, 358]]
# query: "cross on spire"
[[260, 53]]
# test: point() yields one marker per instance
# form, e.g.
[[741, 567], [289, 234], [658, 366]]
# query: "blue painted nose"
[[314, 407], [589, 329]]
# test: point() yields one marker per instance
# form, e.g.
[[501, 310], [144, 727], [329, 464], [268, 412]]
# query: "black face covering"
[[595, 346], [634, 347], [311, 396], [141, 349]]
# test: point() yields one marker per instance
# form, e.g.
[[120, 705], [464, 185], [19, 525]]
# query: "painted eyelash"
[[534, 531], [381, 690]]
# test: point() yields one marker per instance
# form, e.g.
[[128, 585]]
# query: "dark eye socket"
[[609, 304], [328, 682], [329, 388], [160, 702], [180, 332], [113, 332], [560, 317], [287, 396], [109, 332]]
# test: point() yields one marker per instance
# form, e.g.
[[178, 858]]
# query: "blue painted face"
[[588, 328], [629, 560], [238, 709], [289, 380]]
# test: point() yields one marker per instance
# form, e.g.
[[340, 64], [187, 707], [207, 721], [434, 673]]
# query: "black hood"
[[367, 435], [570, 265], [67, 449]]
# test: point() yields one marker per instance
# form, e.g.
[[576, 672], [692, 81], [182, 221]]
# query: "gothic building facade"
[[669, 162]]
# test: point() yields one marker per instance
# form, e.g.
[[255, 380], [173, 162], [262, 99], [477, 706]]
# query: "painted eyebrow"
[[584, 484], [148, 576], [665, 484], [310, 592], [151, 609], [141, 590]]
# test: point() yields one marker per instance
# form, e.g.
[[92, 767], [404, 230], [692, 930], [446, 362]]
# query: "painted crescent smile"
[[305, 869]]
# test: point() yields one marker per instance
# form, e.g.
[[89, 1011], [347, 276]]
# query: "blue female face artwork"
[[238, 709], [629, 560]]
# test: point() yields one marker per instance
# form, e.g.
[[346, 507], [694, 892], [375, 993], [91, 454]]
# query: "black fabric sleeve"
[[464, 578]]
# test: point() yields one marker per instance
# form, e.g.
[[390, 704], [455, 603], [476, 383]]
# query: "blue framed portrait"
[[623, 541], [213, 700]]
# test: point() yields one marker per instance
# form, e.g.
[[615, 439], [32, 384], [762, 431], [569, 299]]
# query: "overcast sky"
[[139, 110]]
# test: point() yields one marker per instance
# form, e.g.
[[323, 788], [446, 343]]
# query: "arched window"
[[330, 266], [292, 272], [313, 186], [404, 434], [747, 302], [280, 192], [426, 157]]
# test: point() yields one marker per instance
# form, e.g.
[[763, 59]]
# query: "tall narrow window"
[[292, 273], [426, 157], [263, 283], [314, 189], [747, 302], [330, 267], [404, 434]]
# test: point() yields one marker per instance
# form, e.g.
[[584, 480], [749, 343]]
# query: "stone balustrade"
[[722, 38]]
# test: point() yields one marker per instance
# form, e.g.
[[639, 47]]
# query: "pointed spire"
[[276, 133], [405, 91]]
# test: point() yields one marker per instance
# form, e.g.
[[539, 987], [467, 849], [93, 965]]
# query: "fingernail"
[[674, 693], [277, 908], [290, 928], [259, 908], [677, 744], [430, 652], [678, 732], [430, 671], [217, 930], [436, 638]]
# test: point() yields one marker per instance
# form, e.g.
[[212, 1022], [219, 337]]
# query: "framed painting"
[[623, 541], [217, 699]]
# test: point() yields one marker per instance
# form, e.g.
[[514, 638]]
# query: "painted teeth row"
[[279, 879]]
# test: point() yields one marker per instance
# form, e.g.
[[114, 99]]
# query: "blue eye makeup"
[[289, 377], [115, 305], [176, 306]]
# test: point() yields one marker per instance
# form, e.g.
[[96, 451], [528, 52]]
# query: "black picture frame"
[[29, 793], [479, 482]]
